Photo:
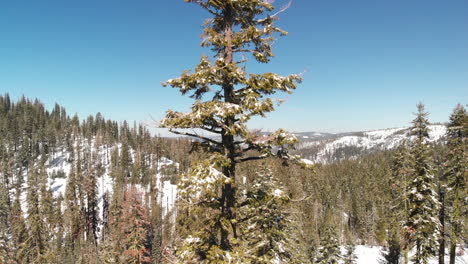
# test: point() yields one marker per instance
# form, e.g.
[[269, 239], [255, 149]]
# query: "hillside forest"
[[345, 203]]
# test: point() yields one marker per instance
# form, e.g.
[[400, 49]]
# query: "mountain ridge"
[[328, 147]]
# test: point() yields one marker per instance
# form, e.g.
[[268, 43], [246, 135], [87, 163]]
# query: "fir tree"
[[90, 189], [329, 252], [135, 225], [234, 97], [456, 167], [19, 230], [401, 174], [36, 243], [421, 227], [157, 236], [125, 159], [267, 230], [72, 219], [106, 252], [58, 243], [115, 212], [5, 230], [393, 252], [350, 257]]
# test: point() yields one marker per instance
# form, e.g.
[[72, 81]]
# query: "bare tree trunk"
[[453, 248], [454, 235], [442, 228]]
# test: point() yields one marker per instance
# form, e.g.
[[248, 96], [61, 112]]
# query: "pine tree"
[[125, 160], [36, 243], [421, 227], [226, 98], [268, 232], [456, 168], [90, 190], [73, 229], [135, 225], [329, 252], [401, 174], [5, 230], [393, 253], [157, 234], [115, 239], [106, 252], [58, 245], [18, 229], [350, 257]]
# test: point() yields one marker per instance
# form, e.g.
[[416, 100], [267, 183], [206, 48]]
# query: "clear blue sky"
[[368, 62]]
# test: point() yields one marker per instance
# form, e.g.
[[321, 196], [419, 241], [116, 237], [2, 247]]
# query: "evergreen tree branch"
[[195, 135], [264, 156], [275, 15]]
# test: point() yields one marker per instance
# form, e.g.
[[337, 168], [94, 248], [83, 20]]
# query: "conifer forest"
[[93, 190]]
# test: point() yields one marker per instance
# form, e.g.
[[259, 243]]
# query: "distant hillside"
[[327, 147]]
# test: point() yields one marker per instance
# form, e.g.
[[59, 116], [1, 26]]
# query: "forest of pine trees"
[[242, 196], [303, 214]]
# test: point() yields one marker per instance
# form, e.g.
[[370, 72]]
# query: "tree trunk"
[[442, 229], [453, 247], [228, 191], [454, 235]]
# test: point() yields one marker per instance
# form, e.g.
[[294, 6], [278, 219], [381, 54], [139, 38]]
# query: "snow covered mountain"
[[326, 148]]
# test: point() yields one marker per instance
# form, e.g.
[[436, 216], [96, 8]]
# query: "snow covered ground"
[[371, 255]]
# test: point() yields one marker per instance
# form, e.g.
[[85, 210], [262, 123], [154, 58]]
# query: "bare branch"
[[195, 135], [211, 129], [239, 142], [243, 50], [250, 147], [284, 8], [252, 158]]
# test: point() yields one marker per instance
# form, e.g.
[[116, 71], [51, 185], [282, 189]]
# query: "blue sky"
[[367, 63]]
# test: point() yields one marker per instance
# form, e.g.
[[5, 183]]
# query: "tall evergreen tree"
[[156, 226], [91, 193], [350, 257], [58, 243], [456, 173], [401, 174], [73, 229], [37, 242], [226, 98], [392, 253], [267, 229], [136, 226], [329, 252], [422, 225], [5, 230], [19, 230]]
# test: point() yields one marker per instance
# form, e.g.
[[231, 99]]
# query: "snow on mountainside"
[[58, 166], [325, 148]]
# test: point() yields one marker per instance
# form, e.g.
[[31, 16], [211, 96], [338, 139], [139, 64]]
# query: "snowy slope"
[[352, 145], [59, 162], [371, 255]]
